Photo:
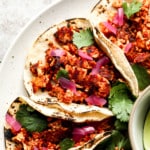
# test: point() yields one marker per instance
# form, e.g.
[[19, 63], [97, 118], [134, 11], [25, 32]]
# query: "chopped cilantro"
[[142, 76], [31, 120], [62, 73], [66, 143], [132, 8], [120, 101], [83, 38]]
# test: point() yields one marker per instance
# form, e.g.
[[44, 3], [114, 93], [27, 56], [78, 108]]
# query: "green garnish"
[[121, 126], [132, 8], [142, 76], [117, 140], [120, 101], [31, 120], [83, 38], [62, 73], [66, 143]]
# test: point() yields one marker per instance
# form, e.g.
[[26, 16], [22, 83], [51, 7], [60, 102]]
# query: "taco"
[[67, 67], [126, 27], [28, 127]]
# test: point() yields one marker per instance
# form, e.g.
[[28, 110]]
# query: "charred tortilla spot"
[[101, 9], [11, 145], [14, 107], [8, 134], [17, 100]]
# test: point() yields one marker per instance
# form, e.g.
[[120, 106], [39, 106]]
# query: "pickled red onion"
[[57, 52], [67, 84], [44, 148], [84, 55], [79, 133], [102, 61], [119, 18], [110, 27], [15, 125], [127, 47], [95, 100], [35, 148]]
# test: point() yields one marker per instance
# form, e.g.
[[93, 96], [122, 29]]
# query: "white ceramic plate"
[[11, 73]]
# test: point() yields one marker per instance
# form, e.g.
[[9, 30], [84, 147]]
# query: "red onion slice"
[[35, 148], [79, 133], [67, 84], [44, 148], [88, 129], [115, 19], [101, 62], [84, 55], [57, 52], [95, 100], [127, 47], [110, 27], [119, 17], [15, 125]]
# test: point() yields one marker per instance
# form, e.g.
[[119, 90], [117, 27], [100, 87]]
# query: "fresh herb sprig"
[[142, 76], [66, 143], [131, 8], [121, 101], [30, 119], [62, 73], [83, 38]]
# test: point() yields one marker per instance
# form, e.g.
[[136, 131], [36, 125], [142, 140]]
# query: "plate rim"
[[5, 59]]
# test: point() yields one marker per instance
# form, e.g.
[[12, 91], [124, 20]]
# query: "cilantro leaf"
[[83, 38], [121, 126], [62, 73], [132, 8], [120, 101], [142, 76], [66, 143], [121, 108], [119, 88], [31, 120]]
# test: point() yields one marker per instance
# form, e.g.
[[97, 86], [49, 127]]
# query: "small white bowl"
[[137, 119]]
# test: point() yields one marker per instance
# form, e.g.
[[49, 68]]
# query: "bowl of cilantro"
[[139, 122]]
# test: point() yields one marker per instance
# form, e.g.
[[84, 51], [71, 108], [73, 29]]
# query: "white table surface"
[[14, 15]]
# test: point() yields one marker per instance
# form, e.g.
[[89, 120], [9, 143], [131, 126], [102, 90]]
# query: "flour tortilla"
[[100, 14], [53, 113], [38, 53]]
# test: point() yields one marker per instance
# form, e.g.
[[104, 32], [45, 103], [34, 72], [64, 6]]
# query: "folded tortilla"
[[55, 50], [21, 132]]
